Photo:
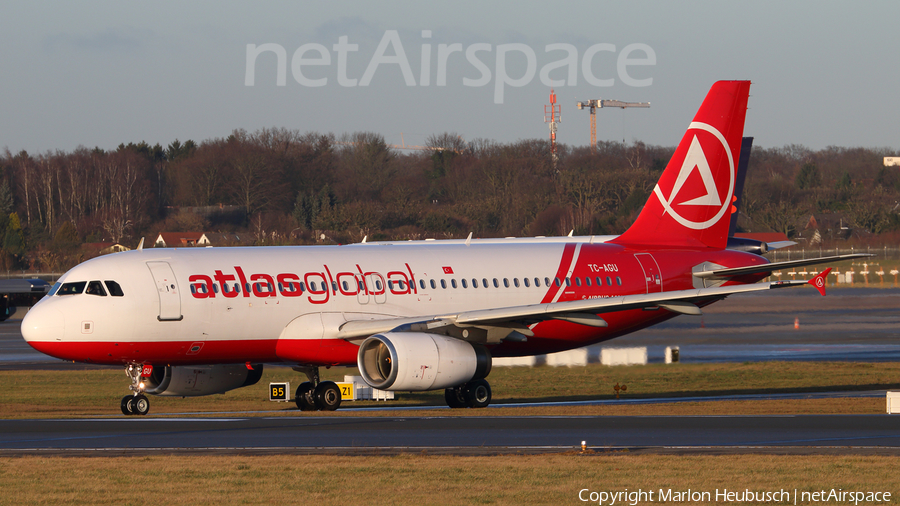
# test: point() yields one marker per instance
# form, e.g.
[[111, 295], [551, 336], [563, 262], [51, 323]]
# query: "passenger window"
[[116, 291], [474, 283], [465, 283], [537, 282], [577, 281], [422, 283], [587, 280], [506, 282], [568, 281], [557, 282], [378, 285], [618, 281], [599, 281], [526, 282], [96, 288], [516, 282], [390, 285], [72, 288], [215, 288], [496, 283], [484, 282], [347, 285], [443, 284], [608, 281], [547, 282], [433, 285], [453, 283]]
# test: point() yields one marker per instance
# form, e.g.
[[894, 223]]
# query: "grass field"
[[41, 394], [423, 479]]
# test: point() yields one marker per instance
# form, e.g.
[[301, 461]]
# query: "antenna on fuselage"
[[141, 245], [469, 239]]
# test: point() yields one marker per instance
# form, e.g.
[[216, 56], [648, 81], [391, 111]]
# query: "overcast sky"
[[102, 73]]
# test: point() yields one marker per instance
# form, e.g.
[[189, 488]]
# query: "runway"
[[807, 434]]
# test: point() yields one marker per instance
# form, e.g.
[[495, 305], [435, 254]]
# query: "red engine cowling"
[[192, 381], [416, 361]]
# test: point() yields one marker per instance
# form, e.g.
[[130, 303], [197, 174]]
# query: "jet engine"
[[192, 381], [416, 361], [748, 245]]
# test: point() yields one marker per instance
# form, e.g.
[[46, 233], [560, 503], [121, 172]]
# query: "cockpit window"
[[96, 288], [72, 288], [114, 289], [53, 289]]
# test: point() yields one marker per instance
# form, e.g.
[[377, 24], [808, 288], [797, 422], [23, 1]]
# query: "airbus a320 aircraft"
[[414, 316]]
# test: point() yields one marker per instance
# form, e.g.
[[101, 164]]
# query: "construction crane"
[[593, 105]]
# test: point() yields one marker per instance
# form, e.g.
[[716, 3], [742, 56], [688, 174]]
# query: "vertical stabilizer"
[[691, 205]]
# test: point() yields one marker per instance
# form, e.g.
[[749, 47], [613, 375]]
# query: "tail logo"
[[713, 202]]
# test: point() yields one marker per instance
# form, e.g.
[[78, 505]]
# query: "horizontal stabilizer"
[[756, 269]]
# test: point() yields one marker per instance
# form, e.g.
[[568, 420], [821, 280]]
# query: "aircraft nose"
[[42, 324]]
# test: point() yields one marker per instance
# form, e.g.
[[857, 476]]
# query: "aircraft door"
[[376, 287], [167, 288], [652, 275], [362, 296]]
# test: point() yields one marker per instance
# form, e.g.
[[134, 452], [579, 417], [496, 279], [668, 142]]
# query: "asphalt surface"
[[857, 434]]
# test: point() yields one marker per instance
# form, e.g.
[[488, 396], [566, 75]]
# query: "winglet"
[[819, 281]]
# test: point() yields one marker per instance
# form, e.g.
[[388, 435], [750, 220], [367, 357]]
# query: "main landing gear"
[[138, 403], [314, 395], [474, 394]]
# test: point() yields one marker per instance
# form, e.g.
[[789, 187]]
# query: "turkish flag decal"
[[448, 270]]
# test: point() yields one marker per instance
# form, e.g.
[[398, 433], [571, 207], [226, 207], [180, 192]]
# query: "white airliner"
[[412, 316]]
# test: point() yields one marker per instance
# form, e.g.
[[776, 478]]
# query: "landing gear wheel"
[[328, 396], [478, 393], [126, 405], [140, 404], [304, 397], [454, 397]]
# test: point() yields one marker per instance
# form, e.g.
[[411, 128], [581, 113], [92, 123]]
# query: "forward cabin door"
[[167, 288], [652, 274]]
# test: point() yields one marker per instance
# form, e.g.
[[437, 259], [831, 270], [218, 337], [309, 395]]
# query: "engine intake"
[[192, 381], [416, 361]]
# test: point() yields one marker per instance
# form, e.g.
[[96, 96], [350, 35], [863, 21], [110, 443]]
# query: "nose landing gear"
[[138, 403]]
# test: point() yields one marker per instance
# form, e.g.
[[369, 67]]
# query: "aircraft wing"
[[756, 269], [584, 312]]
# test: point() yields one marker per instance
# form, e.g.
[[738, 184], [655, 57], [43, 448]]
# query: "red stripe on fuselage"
[[564, 263], [313, 351]]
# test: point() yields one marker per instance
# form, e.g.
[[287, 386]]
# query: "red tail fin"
[[691, 204], [820, 281]]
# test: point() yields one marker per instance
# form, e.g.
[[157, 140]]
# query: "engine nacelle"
[[196, 380], [417, 361], [748, 245]]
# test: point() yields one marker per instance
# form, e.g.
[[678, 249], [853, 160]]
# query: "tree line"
[[295, 188]]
